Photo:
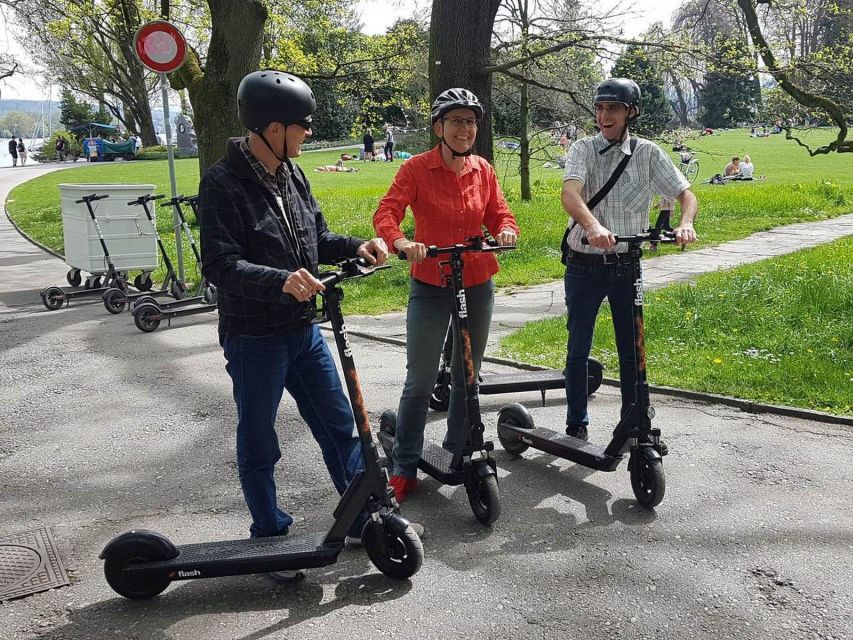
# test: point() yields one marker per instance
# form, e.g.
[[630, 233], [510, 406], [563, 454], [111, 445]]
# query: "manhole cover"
[[29, 563]]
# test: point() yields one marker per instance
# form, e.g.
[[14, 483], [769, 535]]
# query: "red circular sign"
[[160, 46]]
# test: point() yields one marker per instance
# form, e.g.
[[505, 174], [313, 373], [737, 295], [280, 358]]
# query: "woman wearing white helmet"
[[452, 194]]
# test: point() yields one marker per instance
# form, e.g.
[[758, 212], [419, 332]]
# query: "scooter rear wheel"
[[388, 427], [594, 375], [513, 415], [397, 555], [146, 317], [440, 398], [485, 499], [648, 480], [114, 300], [53, 298], [134, 588]]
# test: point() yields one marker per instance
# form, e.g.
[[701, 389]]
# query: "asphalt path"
[[104, 429]]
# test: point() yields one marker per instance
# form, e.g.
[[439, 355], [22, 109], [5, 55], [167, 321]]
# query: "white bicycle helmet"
[[456, 98]]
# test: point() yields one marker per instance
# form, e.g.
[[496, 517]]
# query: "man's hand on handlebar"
[[600, 237], [302, 285], [684, 234], [415, 251], [375, 251]]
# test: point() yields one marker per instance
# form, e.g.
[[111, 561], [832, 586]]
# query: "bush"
[[47, 153]]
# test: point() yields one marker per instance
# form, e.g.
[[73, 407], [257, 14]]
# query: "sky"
[[377, 16]]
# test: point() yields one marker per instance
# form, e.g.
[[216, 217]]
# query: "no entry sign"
[[160, 46]]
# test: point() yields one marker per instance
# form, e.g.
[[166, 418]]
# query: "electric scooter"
[[634, 432], [472, 464], [115, 299], [53, 297], [140, 564], [538, 380]]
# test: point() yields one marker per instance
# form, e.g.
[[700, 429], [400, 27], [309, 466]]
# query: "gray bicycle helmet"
[[456, 98], [619, 90], [273, 96]]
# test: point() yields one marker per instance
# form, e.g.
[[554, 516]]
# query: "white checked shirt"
[[625, 209]]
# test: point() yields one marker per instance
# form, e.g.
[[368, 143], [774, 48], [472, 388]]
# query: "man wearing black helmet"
[[601, 268], [262, 237]]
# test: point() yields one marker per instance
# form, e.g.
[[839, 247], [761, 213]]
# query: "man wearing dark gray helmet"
[[602, 268], [262, 237]]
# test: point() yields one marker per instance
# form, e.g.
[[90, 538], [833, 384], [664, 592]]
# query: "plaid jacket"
[[245, 252]]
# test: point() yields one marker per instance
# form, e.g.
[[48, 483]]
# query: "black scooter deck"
[[561, 445], [435, 461], [237, 557], [526, 381]]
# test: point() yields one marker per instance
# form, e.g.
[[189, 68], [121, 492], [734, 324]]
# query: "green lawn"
[[778, 331], [797, 188]]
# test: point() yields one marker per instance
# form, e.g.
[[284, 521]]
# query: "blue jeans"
[[427, 316], [586, 287], [261, 367]]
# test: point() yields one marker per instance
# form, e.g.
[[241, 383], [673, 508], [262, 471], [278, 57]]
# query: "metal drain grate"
[[29, 563]]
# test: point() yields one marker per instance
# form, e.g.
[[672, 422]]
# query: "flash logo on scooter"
[[638, 292], [463, 305], [195, 573], [347, 349]]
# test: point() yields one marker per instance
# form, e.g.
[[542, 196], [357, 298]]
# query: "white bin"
[[127, 232]]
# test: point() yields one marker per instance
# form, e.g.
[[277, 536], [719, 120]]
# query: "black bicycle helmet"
[[619, 90], [273, 96], [456, 98]]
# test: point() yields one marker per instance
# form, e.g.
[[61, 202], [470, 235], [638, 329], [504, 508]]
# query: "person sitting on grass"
[[732, 168], [747, 169]]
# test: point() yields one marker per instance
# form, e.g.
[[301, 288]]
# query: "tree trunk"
[[524, 148], [234, 51], [459, 48], [681, 110]]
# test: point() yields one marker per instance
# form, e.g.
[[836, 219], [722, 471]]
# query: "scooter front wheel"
[[648, 480], [485, 499], [388, 428], [397, 555]]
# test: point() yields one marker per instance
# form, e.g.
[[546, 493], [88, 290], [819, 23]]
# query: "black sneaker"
[[577, 431]]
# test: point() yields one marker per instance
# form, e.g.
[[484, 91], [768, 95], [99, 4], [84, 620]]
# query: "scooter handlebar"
[[350, 268], [655, 235], [144, 199], [474, 245], [92, 198]]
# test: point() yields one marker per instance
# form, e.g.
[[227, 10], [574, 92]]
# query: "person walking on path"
[[452, 194], [262, 237], [22, 152], [13, 151], [602, 268]]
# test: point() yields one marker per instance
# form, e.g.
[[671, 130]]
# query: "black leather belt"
[[598, 259]]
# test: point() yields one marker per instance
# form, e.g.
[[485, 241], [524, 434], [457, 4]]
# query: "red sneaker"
[[402, 486]]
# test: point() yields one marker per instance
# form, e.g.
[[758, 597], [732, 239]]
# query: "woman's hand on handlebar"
[[375, 251], [302, 285], [507, 237], [415, 251]]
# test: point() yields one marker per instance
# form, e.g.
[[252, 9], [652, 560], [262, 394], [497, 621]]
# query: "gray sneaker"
[[355, 541], [288, 576]]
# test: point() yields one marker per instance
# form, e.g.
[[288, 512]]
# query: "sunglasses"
[[305, 123]]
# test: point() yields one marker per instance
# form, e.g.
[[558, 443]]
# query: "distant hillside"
[[33, 107]]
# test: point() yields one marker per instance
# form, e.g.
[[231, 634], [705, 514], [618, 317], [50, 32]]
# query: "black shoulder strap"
[[598, 197]]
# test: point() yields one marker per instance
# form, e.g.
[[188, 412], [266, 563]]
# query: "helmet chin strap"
[[455, 153], [269, 146]]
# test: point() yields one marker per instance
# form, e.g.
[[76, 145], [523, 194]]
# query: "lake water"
[[6, 159]]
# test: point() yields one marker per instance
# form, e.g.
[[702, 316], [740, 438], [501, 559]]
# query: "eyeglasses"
[[305, 124], [471, 123]]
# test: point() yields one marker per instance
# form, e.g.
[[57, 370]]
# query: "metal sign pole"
[[176, 222]]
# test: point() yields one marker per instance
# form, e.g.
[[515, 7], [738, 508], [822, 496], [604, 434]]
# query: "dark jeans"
[[586, 287], [427, 317], [261, 367], [389, 151]]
